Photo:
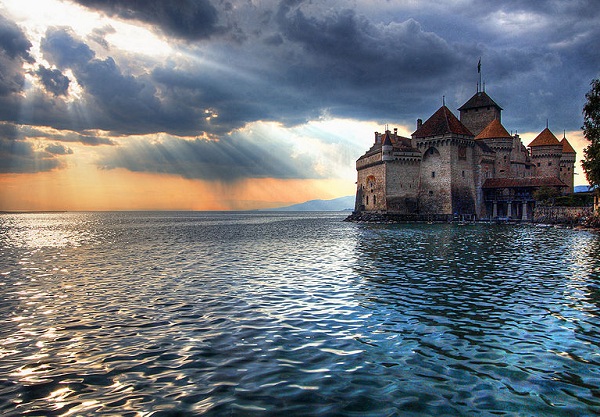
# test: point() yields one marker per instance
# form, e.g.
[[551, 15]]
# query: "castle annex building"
[[468, 167]]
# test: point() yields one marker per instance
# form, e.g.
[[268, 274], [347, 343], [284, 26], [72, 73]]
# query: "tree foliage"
[[546, 195], [591, 130]]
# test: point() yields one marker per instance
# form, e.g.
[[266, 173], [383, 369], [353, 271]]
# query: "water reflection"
[[499, 315], [270, 314]]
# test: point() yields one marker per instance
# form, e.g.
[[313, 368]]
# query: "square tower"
[[479, 111]]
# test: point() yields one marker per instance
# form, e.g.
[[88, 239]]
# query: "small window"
[[374, 199], [549, 164], [430, 192], [463, 174], [432, 174], [367, 200], [538, 164]]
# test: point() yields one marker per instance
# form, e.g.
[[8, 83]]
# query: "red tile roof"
[[493, 130], [480, 99], [545, 138], [441, 123], [567, 148], [523, 182]]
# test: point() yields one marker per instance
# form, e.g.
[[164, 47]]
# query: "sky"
[[250, 104]]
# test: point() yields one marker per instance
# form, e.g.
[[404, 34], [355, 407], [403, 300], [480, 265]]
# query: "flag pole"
[[479, 71]]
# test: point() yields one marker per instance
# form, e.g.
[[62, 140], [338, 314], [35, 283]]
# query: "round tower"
[[546, 153], [496, 137], [387, 147], [567, 164]]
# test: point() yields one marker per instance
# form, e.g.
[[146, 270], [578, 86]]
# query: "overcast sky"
[[248, 104]]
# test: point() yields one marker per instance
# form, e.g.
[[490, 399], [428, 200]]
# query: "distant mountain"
[[581, 188], [337, 204]]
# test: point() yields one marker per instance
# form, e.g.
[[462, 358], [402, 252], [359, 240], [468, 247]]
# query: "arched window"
[[371, 182], [431, 152]]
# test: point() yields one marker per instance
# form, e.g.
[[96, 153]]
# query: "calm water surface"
[[264, 314]]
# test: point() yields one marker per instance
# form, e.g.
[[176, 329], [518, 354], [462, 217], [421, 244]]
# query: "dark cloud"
[[230, 159], [14, 51], [61, 48], [58, 149], [185, 19], [85, 138], [13, 41], [18, 156], [116, 101], [294, 61], [54, 81]]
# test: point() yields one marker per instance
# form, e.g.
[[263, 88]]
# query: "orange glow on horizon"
[[123, 190]]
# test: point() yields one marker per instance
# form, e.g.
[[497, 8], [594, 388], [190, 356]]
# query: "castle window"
[[463, 174], [538, 164], [367, 200], [549, 164], [432, 174], [430, 192]]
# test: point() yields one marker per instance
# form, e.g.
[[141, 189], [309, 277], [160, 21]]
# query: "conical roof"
[[441, 123], [493, 130], [567, 148], [545, 138], [386, 140]]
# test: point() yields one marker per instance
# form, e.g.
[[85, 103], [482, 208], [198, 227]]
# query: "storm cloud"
[[19, 156], [14, 51], [232, 159], [187, 19], [290, 62]]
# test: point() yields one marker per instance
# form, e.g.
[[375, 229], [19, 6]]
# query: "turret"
[[567, 164], [386, 147], [546, 153], [499, 140]]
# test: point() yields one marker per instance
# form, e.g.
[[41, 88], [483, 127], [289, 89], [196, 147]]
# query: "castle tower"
[[386, 147], [567, 164], [500, 141], [447, 184], [388, 176], [546, 153], [479, 111]]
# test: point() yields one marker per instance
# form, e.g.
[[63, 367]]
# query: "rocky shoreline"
[[591, 222]]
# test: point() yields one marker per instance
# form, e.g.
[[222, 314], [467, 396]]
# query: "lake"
[[295, 314]]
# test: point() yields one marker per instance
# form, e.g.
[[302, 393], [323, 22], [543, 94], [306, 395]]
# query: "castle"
[[461, 168]]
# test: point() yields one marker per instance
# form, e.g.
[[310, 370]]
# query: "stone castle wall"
[[561, 215], [436, 177], [403, 178], [372, 181]]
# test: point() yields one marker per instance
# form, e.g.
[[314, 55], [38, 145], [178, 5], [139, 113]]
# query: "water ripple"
[[270, 314]]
